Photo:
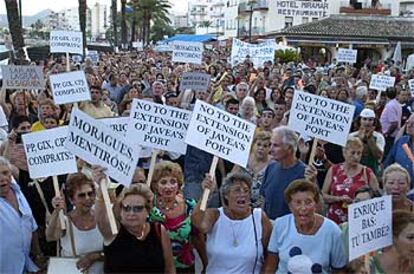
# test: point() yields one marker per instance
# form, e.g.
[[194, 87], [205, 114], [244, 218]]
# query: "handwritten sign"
[[347, 55], [69, 87], [257, 53], [381, 82], [220, 133], [195, 80], [320, 117], [46, 153], [98, 144], [370, 226], [187, 52], [23, 77], [66, 41]]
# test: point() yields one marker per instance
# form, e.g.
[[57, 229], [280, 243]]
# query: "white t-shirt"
[[379, 139]]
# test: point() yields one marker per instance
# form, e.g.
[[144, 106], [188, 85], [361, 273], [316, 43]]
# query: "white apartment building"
[[180, 21], [99, 21], [212, 11], [267, 16]]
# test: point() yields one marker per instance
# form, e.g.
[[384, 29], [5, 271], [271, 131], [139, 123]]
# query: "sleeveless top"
[[231, 245], [341, 185], [127, 254]]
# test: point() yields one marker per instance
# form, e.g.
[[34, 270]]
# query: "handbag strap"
[[72, 238]]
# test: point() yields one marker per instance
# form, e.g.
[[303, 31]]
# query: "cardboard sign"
[[411, 86], [220, 133], [66, 41], [381, 82], [23, 77], [69, 87], [370, 226], [187, 52], [118, 124], [196, 81], [96, 143], [257, 53], [46, 153], [158, 126], [320, 117], [347, 55]]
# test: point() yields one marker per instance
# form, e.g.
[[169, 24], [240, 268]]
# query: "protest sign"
[[23, 77], [347, 55], [195, 80], [93, 55], [158, 126], [220, 133], [381, 82], [320, 117], [46, 153], [257, 53], [411, 86], [370, 226], [118, 124], [3, 118], [96, 143], [69, 87], [187, 52], [66, 41]]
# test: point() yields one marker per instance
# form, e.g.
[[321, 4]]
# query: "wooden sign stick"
[[67, 62], [57, 194], [313, 151], [152, 166], [108, 206], [206, 192]]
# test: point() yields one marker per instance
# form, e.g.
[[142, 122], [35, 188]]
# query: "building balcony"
[[243, 31], [198, 12], [258, 5], [364, 9]]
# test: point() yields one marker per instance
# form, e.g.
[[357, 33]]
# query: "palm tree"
[[114, 21], [124, 32], [82, 22], [205, 24], [15, 29]]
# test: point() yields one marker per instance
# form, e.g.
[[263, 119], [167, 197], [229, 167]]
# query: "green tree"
[[206, 25], [16, 31], [124, 31], [114, 22], [288, 55], [82, 21], [159, 30]]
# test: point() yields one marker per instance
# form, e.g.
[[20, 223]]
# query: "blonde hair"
[[396, 168], [165, 169], [138, 189], [354, 142]]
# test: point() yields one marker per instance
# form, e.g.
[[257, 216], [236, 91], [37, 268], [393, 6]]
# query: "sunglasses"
[[84, 194], [134, 209]]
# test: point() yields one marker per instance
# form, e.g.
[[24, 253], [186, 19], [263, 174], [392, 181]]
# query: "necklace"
[[166, 208], [235, 240], [140, 237]]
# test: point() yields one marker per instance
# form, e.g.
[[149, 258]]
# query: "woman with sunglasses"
[[140, 246], [81, 238]]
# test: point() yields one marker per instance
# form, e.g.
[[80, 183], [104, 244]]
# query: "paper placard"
[[96, 143], [3, 118], [118, 124], [187, 52], [370, 226], [381, 82], [411, 86], [63, 265], [196, 81], [66, 41], [46, 154], [69, 87], [158, 126], [93, 55], [347, 55], [220, 133], [258, 53], [320, 117], [23, 77]]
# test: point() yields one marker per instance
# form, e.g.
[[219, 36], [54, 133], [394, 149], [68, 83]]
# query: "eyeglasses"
[[134, 209], [83, 195]]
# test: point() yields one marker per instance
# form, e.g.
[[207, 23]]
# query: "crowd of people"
[[282, 213]]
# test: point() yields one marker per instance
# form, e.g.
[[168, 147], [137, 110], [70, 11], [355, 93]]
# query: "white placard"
[[46, 153], [23, 77], [411, 86], [320, 117], [347, 55], [96, 143], [63, 265], [381, 82], [118, 124], [196, 81], [187, 52], [220, 133], [66, 41], [258, 53], [158, 126], [370, 226], [93, 55], [69, 87], [3, 118]]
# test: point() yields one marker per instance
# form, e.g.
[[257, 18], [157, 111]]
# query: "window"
[[288, 21], [315, 19], [305, 20]]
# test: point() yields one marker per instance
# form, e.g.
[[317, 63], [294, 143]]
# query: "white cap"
[[367, 113]]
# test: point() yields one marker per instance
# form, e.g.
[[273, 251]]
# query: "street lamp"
[[251, 3]]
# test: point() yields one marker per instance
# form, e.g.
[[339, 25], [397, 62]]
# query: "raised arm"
[[54, 230]]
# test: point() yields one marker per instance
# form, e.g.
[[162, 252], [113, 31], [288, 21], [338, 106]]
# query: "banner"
[[381, 82], [23, 77], [258, 54], [69, 87], [347, 55], [220, 133], [370, 226], [98, 144], [320, 117], [196, 81], [66, 41], [46, 153], [158, 126], [187, 52]]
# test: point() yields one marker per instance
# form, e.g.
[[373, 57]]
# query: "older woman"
[[303, 241], [139, 246], [342, 180], [81, 238], [399, 258], [248, 109], [397, 183], [237, 235], [174, 212]]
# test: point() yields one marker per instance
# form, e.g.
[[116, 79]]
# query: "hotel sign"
[[302, 8]]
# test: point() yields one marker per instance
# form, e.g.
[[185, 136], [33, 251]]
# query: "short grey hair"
[[5, 162], [289, 137], [232, 178], [361, 91], [242, 84]]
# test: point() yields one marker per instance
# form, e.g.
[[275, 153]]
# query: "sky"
[[31, 7]]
